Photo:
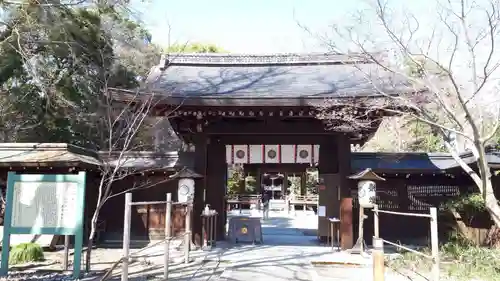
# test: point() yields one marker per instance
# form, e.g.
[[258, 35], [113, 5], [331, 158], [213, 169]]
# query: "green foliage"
[[235, 179], [250, 184], [469, 261], [415, 68], [194, 48], [470, 203], [312, 178], [57, 61], [459, 259], [26, 252], [425, 137]]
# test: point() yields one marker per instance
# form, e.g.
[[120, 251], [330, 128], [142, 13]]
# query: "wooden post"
[[361, 229], [126, 235], [168, 216], [376, 230], [434, 244], [187, 236], [378, 259], [66, 252]]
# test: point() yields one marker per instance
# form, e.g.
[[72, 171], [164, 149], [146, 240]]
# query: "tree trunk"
[[461, 227], [90, 242], [483, 180], [490, 200], [492, 206]]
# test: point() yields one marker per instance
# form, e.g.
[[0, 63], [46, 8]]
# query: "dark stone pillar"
[[216, 183], [346, 225], [200, 167]]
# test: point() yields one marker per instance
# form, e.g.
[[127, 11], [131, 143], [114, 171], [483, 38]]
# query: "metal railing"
[[378, 243], [242, 199]]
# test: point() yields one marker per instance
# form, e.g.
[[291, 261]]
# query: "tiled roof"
[[12, 154], [18, 154], [424, 162], [283, 76], [150, 160], [60, 154]]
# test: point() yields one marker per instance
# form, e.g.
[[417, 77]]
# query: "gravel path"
[[148, 265]]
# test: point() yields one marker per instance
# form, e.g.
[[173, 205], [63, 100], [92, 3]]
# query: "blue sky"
[[256, 26]]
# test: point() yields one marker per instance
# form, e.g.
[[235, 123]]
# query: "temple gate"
[[263, 110]]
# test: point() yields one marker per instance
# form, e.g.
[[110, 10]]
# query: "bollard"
[[378, 259], [376, 230], [434, 244], [66, 252], [168, 217], [126, 235], [187, 236]]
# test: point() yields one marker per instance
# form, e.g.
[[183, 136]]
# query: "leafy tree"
[[194, 48], [425, 138], [235, 179], [57, 61], [57, 66]]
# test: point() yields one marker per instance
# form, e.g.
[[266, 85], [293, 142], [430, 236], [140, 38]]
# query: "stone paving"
[[288, 254]]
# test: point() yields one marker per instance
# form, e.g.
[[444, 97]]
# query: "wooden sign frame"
[[77, 230]]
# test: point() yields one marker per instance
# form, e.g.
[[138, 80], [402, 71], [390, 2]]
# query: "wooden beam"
[[278, 168], [276, 127], [268, 139]]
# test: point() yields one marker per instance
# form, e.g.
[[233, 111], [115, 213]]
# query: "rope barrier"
[[403, 214], [378, 252]]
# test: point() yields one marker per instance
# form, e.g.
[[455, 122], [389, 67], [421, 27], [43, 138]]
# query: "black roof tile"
[[271, 76]]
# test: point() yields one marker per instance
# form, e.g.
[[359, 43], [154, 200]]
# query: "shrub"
[[26, 252]]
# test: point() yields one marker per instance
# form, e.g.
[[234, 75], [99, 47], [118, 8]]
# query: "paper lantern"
[[366, 193], [185, 190]]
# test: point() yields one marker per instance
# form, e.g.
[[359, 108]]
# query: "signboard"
[[44, 204]]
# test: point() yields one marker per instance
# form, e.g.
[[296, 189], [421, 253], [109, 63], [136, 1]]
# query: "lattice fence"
[[406, 198]]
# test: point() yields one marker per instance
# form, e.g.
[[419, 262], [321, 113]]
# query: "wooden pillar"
[[200, 167], [284, 187], [346, 225], [303, 182], [216, 183], [329, 183], [247, 170], [258, 181]]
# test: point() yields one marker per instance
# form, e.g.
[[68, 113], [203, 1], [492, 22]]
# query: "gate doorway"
[[291, 187]]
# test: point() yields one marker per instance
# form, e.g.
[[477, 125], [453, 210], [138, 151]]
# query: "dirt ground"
[[145, 265]]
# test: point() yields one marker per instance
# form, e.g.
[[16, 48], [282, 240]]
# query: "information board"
[[44, 204]]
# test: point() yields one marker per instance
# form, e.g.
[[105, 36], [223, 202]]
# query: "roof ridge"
[[260, 59]]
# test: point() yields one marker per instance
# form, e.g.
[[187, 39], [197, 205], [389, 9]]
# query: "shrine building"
[[262, 111]]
